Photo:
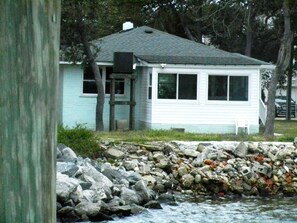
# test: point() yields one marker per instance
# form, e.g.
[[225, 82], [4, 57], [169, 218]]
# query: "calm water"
[[247, 210]]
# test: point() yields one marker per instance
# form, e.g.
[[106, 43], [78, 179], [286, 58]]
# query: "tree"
[[81, 23], [29, 63], [283, 59], [181, 17]]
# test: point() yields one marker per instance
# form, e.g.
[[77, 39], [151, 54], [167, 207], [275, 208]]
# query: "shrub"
[[80, 139]]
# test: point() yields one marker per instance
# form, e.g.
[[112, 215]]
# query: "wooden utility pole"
[[29, 47]]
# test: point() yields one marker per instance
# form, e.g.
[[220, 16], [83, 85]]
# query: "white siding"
[[198, 115], [145, 103], [201, 111]]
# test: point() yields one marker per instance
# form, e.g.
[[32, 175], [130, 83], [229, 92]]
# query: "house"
[[180, 84]]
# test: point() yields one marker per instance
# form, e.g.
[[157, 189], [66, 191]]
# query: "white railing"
[[263, 111]]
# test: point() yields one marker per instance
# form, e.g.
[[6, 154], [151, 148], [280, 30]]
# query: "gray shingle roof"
[[154, 46]]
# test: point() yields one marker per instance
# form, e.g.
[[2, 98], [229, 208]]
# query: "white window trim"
[[93, 95], [177, 87], [228, 85]]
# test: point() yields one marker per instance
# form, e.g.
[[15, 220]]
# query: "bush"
[[81, 140]]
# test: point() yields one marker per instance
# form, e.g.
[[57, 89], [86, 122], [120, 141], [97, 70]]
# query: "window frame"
[[103, 71], [178, 74], [228, 88], [150, 86]]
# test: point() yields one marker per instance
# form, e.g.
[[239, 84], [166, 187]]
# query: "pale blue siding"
[[199, 115], [79, 108]]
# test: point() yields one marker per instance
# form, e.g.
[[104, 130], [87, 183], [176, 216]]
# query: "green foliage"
[[286, 129], [81, 140]]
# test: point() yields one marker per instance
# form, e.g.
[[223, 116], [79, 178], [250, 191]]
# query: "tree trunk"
[[284, 55], [249, 31], [98, 79], [199, 23], [289, 86], [29, 56]]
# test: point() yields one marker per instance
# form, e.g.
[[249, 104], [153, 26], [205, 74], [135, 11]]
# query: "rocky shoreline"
[[129, 177]]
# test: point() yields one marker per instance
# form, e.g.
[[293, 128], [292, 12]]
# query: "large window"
[[89, 84], [230, 88], [177, 86]]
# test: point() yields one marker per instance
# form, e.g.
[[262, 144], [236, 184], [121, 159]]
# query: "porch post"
[[132, 105], [112, 104]]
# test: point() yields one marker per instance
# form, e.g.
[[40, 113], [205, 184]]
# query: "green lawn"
[[287, 129]]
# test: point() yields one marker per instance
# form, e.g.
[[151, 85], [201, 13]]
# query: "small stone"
[[87, 208], [68, 154], [131, 164], [295, 142], [190, 153], [287, 169], [271, 156], [200, 148], [114, 153], [187, 180], [198, 178], [212, 156], [158, 156], [153, 205], [275, 178], [162, 164], [241, 150], [141, 152], [246, 186], [182, 170]]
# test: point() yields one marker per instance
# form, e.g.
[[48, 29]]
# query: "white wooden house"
[[179, 84]]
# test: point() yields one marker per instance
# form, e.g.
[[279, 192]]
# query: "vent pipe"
[[127, 26]]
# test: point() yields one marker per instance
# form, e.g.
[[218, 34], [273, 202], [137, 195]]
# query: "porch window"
[[177, 86], [150, 86], [228, 88], [89, 84], [187, 86]]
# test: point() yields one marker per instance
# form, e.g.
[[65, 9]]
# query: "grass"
[[82, 140], [86, 143], [287, 129]]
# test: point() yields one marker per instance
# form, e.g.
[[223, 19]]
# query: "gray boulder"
[[129, 196], [143, 192], [68, 168], [241, 150], [114, 153], [87, 208], [65, 186], [68, 154]]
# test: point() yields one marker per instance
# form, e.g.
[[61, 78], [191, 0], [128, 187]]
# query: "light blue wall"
[[79, 108]]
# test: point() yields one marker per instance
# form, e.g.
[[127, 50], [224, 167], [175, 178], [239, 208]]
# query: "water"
[[244, 210]]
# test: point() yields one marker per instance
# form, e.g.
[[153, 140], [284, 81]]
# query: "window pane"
[[167, 86], [150, 93], [89, 87], [88, 73], [187, 88], [217, 87], [238, 88], [150, 86], [89, 84]]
